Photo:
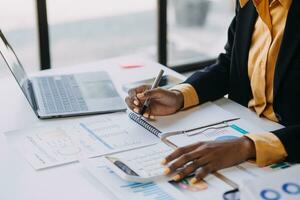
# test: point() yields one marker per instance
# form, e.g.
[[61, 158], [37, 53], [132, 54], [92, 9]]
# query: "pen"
[[154, 85], [122, 166], [125, 168]]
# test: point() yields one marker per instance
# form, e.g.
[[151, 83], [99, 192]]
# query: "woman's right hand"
[[163, 102]]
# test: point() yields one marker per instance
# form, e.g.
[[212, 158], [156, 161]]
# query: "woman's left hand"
[[208, 157]]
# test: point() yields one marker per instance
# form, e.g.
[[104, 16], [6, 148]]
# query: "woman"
[[260, 69]]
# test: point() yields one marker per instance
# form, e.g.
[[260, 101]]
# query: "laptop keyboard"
[[61, 95]]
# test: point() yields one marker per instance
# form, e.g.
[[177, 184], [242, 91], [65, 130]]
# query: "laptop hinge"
[[32, 96]]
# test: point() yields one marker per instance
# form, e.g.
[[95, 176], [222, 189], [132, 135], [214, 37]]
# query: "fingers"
[[134, 91], [153, 94], [138, 96], [179, 152], [132, 101], [202, 173], [190, 168], [136, 102], [149, 116], [129, 102], [132, 105], [185, 159], [137, 108], [156, 93]]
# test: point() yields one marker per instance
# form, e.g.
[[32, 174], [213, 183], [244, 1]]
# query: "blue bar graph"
[[96, 136], [148, 190]]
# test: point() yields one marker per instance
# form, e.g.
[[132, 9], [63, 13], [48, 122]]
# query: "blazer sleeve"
[[212, 82], [290, 138]]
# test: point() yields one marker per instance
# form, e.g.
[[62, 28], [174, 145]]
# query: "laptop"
[[64, 95]]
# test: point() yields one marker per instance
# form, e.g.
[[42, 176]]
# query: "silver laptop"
[[64, 95]]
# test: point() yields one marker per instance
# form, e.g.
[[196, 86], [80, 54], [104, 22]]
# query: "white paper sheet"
[[210, 188], [129, 190], [49, 146]]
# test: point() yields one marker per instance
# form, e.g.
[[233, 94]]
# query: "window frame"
[[162, 39]]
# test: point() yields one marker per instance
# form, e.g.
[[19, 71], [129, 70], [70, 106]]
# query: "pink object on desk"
[[131, 66]]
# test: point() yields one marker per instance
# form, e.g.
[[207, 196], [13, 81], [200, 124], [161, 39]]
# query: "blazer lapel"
[[245, 26], [289, 44]]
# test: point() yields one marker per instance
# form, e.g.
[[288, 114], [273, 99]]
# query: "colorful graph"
[[96, 136], [281, 165], [185, 184], [148, 190], [226, 137], [132, 190]]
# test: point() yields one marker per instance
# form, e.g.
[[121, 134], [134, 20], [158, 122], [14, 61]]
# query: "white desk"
[[19, 181]]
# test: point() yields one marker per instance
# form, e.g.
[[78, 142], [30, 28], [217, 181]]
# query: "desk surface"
[[19, 181]]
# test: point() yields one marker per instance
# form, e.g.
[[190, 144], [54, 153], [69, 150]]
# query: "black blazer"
[[230, 75]]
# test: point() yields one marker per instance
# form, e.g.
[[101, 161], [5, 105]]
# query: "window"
[[84, 31], [197, 29], [18, 23]]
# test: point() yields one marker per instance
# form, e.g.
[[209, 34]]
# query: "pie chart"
[[226, 137]]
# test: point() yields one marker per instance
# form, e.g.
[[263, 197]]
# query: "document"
[[50, 146], [146, 163], [210, 188], [130, 190]]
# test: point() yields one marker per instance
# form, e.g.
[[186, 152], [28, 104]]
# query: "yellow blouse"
[[263, 53]]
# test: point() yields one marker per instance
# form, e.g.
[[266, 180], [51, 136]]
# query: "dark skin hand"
[[163, 102], [203, 157], [208, 157]]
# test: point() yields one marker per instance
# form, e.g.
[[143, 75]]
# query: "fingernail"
[[163, 162], [136, 110], [136, 102], [140, 95], [146, 115], [194, 180], [152, 117], [167, 171], [176, 177]]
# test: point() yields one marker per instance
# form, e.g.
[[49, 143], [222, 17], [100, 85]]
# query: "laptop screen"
[[15, 66]]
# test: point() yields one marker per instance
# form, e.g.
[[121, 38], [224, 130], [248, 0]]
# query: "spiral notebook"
[[199, 116], [144, 124]]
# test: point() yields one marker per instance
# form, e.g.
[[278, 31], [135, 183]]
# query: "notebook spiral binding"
[[144, 124]]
